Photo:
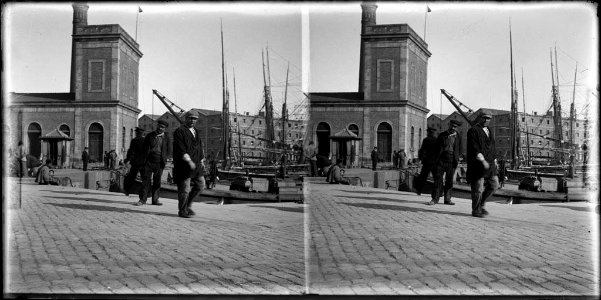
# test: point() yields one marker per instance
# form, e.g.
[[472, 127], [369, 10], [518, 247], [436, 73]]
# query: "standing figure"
[[481, 164], [106, 159], [402, 156], [135, 157], [188, 166], [395, 159], [21, 159], [448, 145], [374, 158], [154, 153], [85, 157], [113, 160], [427, 155], [311, 157]]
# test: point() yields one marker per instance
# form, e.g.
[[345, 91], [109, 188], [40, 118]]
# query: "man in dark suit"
[[135, 158], [427, 156], [374, 158], [448, 145], [188, 164], [85, 157], [481, 164], [154, 153]]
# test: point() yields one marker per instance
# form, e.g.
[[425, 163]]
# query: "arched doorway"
[[65, 129], [95, 136], [323, 139], [384, 134], [34, 132]]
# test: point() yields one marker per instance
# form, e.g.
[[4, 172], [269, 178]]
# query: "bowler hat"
[[163, 122], [456, 123]]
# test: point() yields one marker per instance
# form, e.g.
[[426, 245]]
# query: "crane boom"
[[456, 103], [169, 104]]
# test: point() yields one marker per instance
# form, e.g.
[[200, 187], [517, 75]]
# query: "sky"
[[469, 43]]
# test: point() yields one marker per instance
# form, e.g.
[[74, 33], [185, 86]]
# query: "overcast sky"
[[182, 53]]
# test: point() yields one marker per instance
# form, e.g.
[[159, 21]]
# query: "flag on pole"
[[429, 10], [140, 9]]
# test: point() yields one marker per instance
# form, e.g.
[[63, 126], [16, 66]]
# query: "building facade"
[[389, 110], [101, 109]]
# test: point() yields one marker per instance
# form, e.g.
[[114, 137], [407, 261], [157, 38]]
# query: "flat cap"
[[138, 129], [455, 122], [191, 114], [431, 129], [486, 114], [163, 122]]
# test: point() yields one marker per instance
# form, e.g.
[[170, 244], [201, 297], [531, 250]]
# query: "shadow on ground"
[[405, 208], [299, 209]]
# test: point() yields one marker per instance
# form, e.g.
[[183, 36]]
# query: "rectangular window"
[[385, 75], [96, 75], [547, 122]]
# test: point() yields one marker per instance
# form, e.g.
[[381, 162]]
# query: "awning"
[[56, 135], [345, 134]]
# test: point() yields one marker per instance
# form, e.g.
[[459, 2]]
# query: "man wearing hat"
[[374, 158], [427, 155], [135, 157], [154, 152], [481, 163], [448, 147], [188, 165]]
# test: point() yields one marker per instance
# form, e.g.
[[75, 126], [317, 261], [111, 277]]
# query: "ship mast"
[[238, 122], [225, 108], [284, 123], [269, 129], [558, 132], [528, 156], [514, 124], [572, 117]]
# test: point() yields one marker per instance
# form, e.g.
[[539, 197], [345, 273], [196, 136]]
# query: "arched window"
[[384, 142], [65, 129], [419, 138], [354, 129], [412, 142], [34, 132], [95, 141]]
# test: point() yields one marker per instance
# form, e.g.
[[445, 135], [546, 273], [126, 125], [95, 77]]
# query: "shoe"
[[418, 193], [191, 212], [477, 215], [158, 203], [449, 203], [183, 215], [139, 203], [431, 203], [483, 212]]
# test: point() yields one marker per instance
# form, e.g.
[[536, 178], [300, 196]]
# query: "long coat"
[[149, 141], [135, 153], [442, 139], [427, 153], [479, 142], [184, 142]]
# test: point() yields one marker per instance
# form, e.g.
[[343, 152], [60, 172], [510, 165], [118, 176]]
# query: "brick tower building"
[[101, 109], [389, 110]]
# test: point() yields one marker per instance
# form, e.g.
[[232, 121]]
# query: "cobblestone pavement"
[[369, 241], [71, 240]]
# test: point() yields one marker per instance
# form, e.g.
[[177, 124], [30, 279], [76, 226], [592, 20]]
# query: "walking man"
[[135, 157], [85, 157], [427, 155], [188, 166], [154, 153], [21, 159], [448, 145], [481, 164], [374, 158], [311, 158]]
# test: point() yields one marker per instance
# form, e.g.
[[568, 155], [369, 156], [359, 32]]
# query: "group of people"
[[440, 156], [147, 156], [399, 159]]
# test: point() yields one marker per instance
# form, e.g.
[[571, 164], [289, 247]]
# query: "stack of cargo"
[[290, 190]]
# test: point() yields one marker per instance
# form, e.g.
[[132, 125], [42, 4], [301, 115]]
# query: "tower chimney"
[[368, 18], [80, 19]]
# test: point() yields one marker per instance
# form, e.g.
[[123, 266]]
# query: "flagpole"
[[137, 14], [426, 20]]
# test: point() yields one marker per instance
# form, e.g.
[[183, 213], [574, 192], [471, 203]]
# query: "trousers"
[[156, 172], [482, 188], [187, 190], [443, 168]]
